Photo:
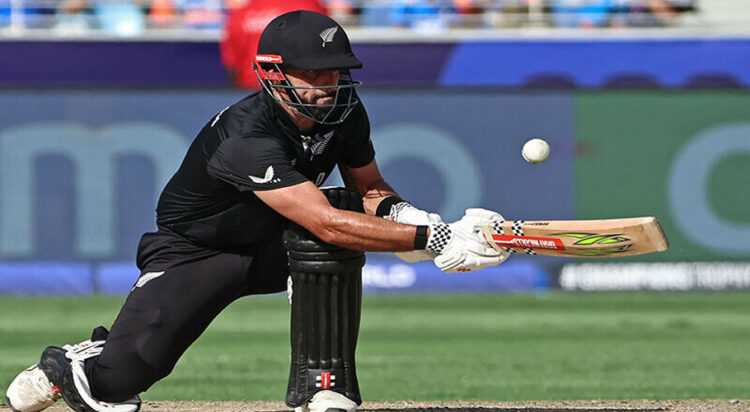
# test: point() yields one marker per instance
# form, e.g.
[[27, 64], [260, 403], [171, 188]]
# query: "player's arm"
[[455, 247], [263, 167], [380, 199], [306, 205], [370, 184], [465, 251]]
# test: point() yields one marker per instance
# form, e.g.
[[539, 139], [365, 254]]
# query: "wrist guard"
[[385, 206]]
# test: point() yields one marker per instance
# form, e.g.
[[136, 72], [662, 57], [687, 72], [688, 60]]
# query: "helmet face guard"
[[274, 82]]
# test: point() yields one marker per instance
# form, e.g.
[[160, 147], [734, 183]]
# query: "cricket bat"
[[577, 238]]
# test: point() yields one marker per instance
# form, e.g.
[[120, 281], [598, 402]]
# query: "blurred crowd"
[[133, 17]]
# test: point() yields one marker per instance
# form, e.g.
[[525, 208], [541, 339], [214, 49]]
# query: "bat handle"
[[488, 230]]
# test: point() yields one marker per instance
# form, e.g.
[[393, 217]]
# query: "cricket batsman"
[[244, 215]]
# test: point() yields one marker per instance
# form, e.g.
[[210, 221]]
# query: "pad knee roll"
[[326, 297]]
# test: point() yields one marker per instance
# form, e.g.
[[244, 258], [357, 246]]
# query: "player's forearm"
[[367, 233], [374, 194], [373, 189]]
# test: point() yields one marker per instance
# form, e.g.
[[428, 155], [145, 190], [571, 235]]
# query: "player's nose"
[[329, 78]]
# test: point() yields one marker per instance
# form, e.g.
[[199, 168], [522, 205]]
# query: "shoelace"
[[84, 350]]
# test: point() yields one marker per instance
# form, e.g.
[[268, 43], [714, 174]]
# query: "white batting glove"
[[404, 212], [473, 218], [464, 248]]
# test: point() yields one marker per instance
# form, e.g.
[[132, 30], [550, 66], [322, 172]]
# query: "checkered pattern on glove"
[[467, 250], [405, 212], [440, 235]]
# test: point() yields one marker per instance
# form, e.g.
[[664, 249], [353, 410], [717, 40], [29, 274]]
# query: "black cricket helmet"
[[305, 40]]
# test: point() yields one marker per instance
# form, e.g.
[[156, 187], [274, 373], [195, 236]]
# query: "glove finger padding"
[[467, 250], [473, 218], [450, 259], [463, 260], [483, 214]]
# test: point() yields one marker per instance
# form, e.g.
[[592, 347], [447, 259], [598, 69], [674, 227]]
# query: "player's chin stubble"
[[323, 99]]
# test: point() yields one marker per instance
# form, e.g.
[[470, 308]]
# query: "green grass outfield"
[[552, 346]]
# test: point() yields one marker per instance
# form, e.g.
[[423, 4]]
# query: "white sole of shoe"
[[330, 401]]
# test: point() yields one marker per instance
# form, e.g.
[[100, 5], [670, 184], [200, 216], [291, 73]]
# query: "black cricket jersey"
[[249, 146]]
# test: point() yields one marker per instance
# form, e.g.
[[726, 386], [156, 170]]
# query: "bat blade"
[[578, 238]]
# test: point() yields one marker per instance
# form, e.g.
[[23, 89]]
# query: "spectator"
[[419, 15], [35, 14], [376, 13], [239, 40], [73, 17], [120, 18], [582, 13], [4, 13], [506, 13], [425, 16], [161, 14], [201, 14], [649, 13], [605, 13], [341, 10], [469, 13]]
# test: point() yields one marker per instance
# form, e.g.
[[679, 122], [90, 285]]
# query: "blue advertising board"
[[80, 172]]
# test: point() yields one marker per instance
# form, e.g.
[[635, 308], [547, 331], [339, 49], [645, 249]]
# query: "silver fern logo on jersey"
[[327, 34]]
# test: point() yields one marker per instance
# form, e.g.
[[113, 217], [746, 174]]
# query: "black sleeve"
[[358, 150], [254, 163]]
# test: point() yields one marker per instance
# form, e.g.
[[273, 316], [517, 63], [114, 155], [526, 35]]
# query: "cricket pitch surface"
[[734, 405]]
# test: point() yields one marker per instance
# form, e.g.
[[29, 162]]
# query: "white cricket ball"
[[535, 151]]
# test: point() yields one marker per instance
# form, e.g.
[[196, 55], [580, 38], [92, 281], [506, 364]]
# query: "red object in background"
[[239, 39]]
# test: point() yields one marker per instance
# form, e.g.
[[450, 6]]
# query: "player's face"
[[324, 84]]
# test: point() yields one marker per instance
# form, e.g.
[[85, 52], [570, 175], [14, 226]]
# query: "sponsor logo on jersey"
[[327, 34], [267, 178]]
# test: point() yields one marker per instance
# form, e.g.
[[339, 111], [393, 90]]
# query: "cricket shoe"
[[64, 367], [328, 401], [31, 391]]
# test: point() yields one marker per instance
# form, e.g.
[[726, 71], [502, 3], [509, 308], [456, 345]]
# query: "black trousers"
[[166, 312]]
